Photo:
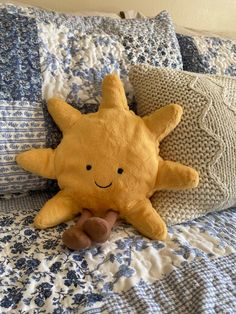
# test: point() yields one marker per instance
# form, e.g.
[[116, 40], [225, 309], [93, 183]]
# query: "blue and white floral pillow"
[[45, 54], [208, 54]]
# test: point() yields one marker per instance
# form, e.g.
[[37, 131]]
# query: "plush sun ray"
[[109, 160]]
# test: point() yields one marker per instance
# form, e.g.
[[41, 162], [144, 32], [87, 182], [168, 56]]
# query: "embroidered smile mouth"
[[103, 187]]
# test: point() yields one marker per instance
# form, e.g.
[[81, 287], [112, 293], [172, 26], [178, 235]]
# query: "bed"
[[193, 271]]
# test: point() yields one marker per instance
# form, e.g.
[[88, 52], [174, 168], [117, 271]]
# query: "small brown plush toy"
[[109, 163], [89, 229]]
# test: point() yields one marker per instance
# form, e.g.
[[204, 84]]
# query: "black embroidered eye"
[[120, 170], [88, 167]]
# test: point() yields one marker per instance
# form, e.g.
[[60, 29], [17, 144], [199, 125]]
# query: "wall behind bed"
[[212, 15]]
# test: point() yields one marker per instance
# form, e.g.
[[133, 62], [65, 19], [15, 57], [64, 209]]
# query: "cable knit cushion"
[[205, 139]]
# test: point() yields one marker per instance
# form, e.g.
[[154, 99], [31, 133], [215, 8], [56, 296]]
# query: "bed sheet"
[[192, 272]]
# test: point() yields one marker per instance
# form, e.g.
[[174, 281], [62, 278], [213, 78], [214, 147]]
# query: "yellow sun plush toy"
[[107, 165]]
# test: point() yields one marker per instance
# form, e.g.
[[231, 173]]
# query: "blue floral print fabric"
[[22, 123], [20, 70], [192, 272], [212, 55], [45, 54]]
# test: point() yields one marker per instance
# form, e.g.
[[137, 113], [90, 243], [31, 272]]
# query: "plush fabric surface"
[[192, 272], [208, 54], [46, 54], [205, 138], [118, 169]]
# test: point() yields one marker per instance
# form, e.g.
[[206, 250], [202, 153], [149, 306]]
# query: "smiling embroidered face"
[[107, 152], [120, 171], [103, 187]]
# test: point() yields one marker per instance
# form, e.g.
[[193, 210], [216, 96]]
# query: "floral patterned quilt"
[[192, 272]]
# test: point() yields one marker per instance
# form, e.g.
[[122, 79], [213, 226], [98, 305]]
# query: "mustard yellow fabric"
[[109, 160]]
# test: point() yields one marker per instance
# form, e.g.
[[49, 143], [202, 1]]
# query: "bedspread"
[[192, 272]]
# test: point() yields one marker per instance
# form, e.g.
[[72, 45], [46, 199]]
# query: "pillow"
[[205, 138], [199, 32], [204, 53], [46, 54]]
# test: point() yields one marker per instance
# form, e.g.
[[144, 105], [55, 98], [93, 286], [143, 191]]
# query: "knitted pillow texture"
[[205, 138]]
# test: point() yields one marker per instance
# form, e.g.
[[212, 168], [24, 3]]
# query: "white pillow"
[[195, 32]]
